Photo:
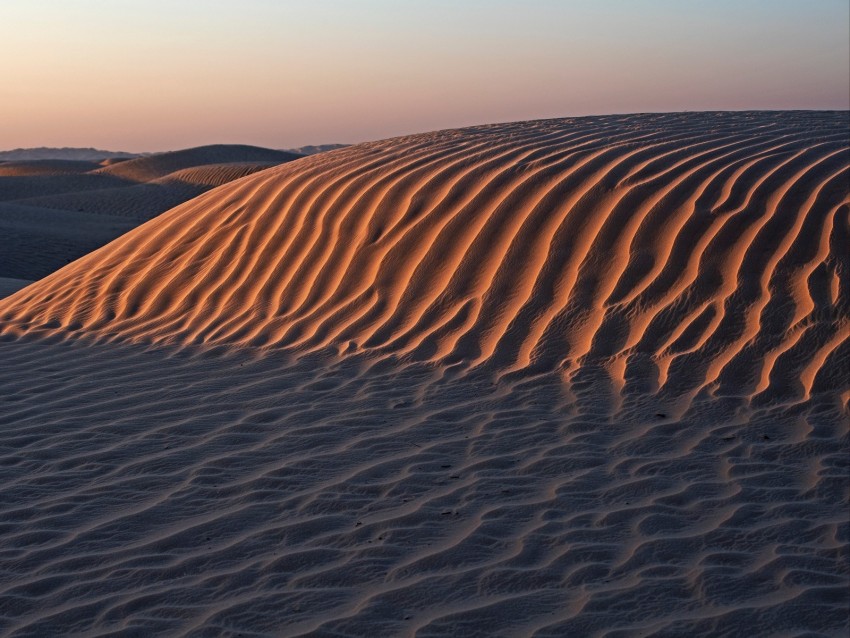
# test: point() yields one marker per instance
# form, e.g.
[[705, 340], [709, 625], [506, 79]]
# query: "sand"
[[145, 169], [8, 285], [312, 149], [569, 377], [65, 153], [53, 211]]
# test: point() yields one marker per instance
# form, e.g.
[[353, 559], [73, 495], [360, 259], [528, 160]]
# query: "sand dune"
[[109, 161], [145, 169], [35, 242], [48, 153], [8, 285], [144, 201], [23, 184], [101, 200], [545, 245], [46, 167], [316, 148], [567, 377]]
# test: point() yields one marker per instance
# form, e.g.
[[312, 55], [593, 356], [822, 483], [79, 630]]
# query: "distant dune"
[[47, 153], [29, 168], [145, 169], [9, 285], [312, 150], [109, 161], [557, 378], [100, 200]]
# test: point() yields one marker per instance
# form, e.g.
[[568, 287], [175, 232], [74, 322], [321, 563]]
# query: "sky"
[[148, 75]]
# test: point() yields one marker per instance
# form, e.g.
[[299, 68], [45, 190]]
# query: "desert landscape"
[[416, 319], [568, 377]]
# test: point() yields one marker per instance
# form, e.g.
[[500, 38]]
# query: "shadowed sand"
[[9, 285], [566, 377], [54, 211]]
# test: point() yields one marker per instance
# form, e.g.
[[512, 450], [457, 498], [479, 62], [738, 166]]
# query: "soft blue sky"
[[154, 74]]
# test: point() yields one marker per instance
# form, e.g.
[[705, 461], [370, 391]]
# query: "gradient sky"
[[144, 75]]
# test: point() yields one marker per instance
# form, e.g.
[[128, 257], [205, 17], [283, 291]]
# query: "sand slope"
[[568, 377], [46, 167], [145, 200], [35, 241], [91, 195], [312, 149], [145, 169], [8, 285], [74, 154]]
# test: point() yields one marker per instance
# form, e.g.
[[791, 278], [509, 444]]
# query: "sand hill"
[[313, 148], [66, 153], [29, 168], [145, 169], [54, 211], [569, 377]]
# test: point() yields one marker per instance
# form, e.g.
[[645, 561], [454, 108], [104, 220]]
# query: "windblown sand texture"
[[583, 377]]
